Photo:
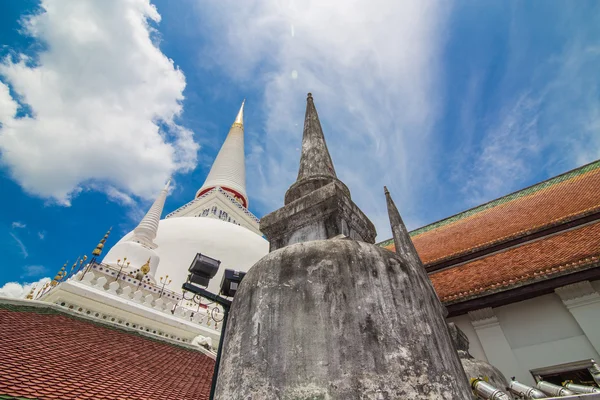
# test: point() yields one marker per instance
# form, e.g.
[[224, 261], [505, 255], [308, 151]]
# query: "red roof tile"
[[557, 200], [64, 357], [554, 255]]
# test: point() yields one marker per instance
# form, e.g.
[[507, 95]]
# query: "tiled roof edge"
[[541, 275], [511, 196], [41, 307]]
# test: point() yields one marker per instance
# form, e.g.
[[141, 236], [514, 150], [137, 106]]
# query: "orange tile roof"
[[557, 200], [45, 354], [537, 260]]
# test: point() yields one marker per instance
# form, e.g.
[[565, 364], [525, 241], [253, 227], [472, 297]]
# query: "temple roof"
[[556, 255], [49, 354], [554, 201], [515, 239]]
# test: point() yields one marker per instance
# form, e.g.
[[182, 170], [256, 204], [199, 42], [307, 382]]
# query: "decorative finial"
[[309, 96], [146, 267], [98, 250], [30, 295], [239, 120], [59, 275]]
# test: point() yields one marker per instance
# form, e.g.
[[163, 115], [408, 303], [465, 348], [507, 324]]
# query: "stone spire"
[[318, 205], [405, 248], [145, 232], [229, 171], [402, 241], [316, 168]]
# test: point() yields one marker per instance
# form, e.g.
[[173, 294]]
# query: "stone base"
[[338, 319]]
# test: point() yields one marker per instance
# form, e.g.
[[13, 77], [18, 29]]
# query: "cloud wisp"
[[373, 75], [20, 244], [18, 225], [33, 271], [98, 105]]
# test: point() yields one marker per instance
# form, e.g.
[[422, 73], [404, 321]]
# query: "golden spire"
[[61, 274], [98, 250], [146, 267], [239, 120], [74, 265], [30, 295]]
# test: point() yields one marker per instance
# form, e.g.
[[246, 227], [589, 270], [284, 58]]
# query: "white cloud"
[[41, 235], [503, 161], [33, 270], [20, 244], [103, 101], [8, 108], [21, 290], [18, 224], [373, 68]]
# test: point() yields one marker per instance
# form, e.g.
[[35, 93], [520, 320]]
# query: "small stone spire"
[[318, 205], [145, 232], [229, 168], [315, 159], [316, 168], [402, 241]]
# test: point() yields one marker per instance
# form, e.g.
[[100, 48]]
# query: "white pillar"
[[583, 302], [496, 346]]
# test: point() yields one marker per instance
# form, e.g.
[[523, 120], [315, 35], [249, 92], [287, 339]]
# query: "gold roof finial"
[[30, 295], [146, 267], [59, 275], [98, 250], [239, 120], [75, 264]]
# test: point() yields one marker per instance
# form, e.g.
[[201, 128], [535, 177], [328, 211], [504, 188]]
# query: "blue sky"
[[449, 104]]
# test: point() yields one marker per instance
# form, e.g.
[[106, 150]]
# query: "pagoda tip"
[[309, 95], [240, 117], [385, 190]]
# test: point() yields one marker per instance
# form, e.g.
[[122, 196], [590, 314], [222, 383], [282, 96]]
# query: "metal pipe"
[[486, 391], [595, 371], [525, 391], [580, 388], [553, 390], [213, 386]]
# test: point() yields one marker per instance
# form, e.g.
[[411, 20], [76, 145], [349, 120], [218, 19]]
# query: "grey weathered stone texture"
[[322, 317], [316, 168], [318, 205], [476, 368], [337, 319]]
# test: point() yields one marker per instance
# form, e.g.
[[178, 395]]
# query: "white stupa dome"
[[180, 239]]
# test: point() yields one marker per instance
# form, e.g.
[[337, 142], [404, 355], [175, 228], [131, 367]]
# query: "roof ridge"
[[528, 190]]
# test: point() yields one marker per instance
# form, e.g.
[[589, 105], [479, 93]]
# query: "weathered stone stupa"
[[329, 315]]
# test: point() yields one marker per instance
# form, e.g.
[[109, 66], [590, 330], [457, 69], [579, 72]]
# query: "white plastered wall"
[[540, 332]]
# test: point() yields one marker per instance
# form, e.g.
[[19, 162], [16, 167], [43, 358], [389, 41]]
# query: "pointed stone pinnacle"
[[316, 167], [402, 241]]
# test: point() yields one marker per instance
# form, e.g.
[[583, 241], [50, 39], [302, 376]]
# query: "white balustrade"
[[137, 296], [148, 300], [159, 304], [113, 287], [88, 278], [100, 282], [126, 292]]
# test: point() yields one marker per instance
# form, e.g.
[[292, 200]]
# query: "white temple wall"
[[536, 333]]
